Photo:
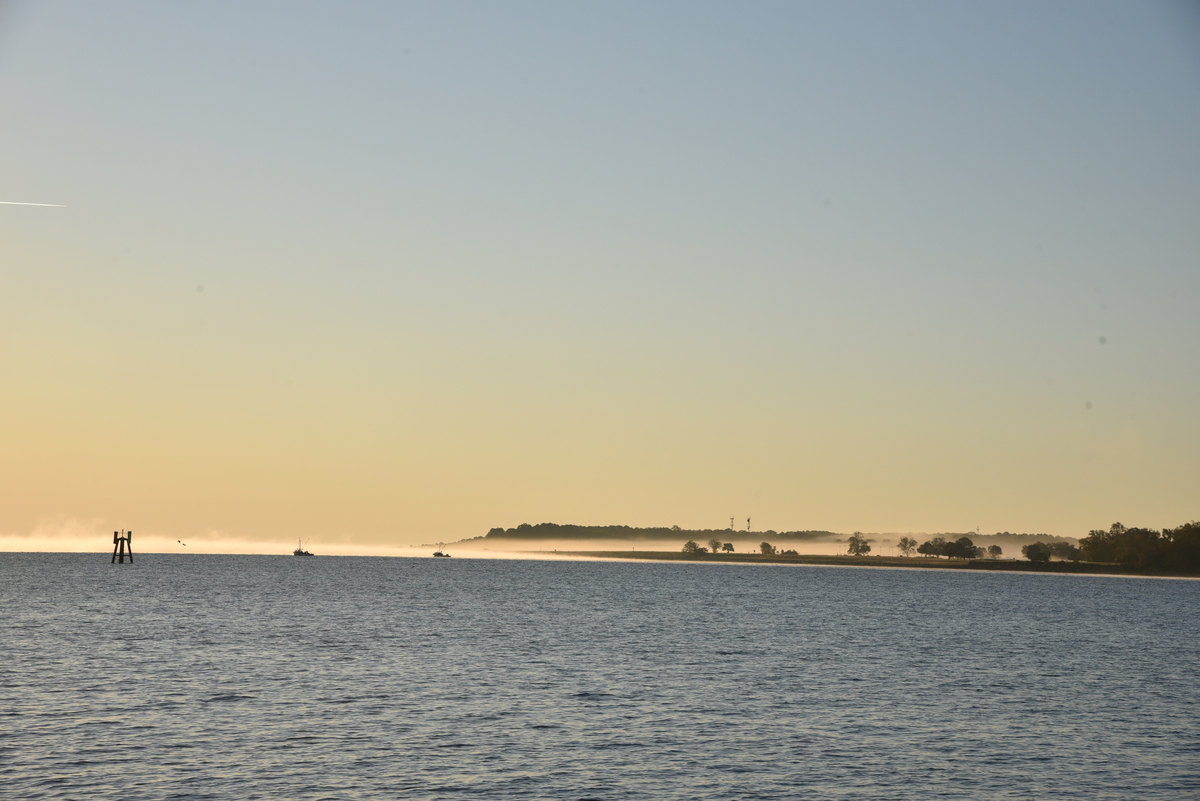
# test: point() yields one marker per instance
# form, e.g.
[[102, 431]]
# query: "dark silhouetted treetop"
[[1176, 550], [934, 547], [1065, 550], [962, 548], [857, 544], [1036, 552]]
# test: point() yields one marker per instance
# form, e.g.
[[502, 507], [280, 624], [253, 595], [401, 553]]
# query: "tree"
[[857, 545], [691, 548], [907, 545], [934, 547], [1102, 546], [1036, 552], [1183, 547], [994, 551], [727, 547], [766, 549], [714, 545], [1065, 550], [1171, 549], [961, 548]]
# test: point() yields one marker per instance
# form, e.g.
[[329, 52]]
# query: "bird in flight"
[[181, 542]]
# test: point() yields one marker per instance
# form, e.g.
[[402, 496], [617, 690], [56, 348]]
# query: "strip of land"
[[877, 561]]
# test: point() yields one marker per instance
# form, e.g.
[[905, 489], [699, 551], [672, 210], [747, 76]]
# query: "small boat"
[[300, 550], [438, 552]]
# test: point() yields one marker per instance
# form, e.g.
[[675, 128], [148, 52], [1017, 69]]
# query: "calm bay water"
[[246, 677]]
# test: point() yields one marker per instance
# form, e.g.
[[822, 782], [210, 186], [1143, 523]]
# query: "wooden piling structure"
[[122, 540]]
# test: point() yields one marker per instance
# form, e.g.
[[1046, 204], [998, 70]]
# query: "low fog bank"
[[742, 542], [633, 534], [97, 538], [539, 540], [74, 535], [1010, 544]]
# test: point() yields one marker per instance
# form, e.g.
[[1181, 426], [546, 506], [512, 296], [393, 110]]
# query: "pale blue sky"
[[841, 265]]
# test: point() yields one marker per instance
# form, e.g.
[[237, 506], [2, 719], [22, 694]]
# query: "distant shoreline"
[[1021, 565]]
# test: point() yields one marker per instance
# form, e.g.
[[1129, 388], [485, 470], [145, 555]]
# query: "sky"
[[380, 274]]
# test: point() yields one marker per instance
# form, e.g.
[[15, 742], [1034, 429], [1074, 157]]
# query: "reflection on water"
[[236, 676]]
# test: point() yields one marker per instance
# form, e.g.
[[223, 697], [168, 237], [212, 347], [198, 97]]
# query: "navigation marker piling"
[[122, 540]]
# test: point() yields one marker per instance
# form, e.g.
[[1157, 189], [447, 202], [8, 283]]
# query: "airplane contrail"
[[19, 203]]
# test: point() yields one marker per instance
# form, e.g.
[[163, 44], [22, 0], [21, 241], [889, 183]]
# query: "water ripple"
[[554, 680]]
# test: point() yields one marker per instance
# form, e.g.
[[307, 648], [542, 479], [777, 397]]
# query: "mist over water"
[[743, 544], [236, 676]]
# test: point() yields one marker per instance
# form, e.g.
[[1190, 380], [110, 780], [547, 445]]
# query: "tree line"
[[961, 548], [714, 545], [1170, 549], [565, 531]]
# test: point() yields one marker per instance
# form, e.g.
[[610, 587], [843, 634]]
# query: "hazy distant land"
[[1117, 550], [547, 536], [1017, 564], [540, 531]]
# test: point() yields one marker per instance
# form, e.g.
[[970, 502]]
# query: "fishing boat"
[[439, 552], [300, 550]]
